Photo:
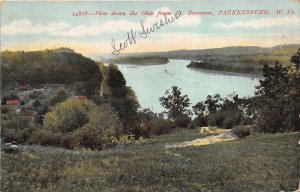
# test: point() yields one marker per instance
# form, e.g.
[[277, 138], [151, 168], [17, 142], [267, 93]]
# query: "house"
[[81, 97], [13, 102]]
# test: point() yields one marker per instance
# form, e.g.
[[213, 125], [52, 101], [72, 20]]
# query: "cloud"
[[113, 26], [26, 27], [262, 23], [184, 20], [110, 26], [189, 20], [96, 29]]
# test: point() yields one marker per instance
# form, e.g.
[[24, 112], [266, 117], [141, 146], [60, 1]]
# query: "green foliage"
[[296, 59], [46, 137], [41, 110], [127, 110], [183, 121], [213, 103], [119, 91], [278, 100], [221, 112], [79, 88], [176, 103], [59, 96], [157, 126], [101, 131], [68, 116], [154, 124], [242, 130], [115, 77], [15, 128], [124, 100], [5, 109]]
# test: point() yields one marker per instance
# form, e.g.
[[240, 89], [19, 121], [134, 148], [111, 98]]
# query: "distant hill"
[[236, 50], [148, 60], [248, 59], [63, 66]]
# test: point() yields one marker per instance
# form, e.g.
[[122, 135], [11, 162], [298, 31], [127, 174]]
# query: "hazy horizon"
[[22, 29]]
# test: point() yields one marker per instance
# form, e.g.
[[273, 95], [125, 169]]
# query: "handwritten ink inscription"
[[144, 32]]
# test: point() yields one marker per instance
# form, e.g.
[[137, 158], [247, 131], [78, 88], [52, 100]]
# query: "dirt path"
[[223, 135]]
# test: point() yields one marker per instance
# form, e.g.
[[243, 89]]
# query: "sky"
[[28, 25]]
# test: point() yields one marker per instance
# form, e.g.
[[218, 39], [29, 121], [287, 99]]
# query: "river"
[[151, 81]]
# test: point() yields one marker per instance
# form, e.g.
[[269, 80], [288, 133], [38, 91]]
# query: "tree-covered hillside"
[[63, 66]]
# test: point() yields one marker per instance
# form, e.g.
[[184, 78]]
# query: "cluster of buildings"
[[26, 96]]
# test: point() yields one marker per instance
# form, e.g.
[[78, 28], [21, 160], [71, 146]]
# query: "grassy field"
[[258, 163]]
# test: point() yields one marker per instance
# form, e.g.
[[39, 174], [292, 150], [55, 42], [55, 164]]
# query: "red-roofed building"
[[81, 97], [13, 102]]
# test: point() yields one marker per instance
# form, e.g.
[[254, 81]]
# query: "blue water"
[[150, 82]]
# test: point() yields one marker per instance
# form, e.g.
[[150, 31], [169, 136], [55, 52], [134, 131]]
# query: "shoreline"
[[213, 71]]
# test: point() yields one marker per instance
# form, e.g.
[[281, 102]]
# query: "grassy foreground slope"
[[262, 163]]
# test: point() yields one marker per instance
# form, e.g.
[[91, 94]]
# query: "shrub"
[[228, 123], [5, 109], [216, 119], [14, 127], [68, 116], [200, 121], [44, 137], [231, 119], [157, 127], [100, 131], [59, 96], [183, 121], [84, 138], [242, 130]]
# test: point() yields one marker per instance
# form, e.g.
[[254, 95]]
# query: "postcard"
[[150, 95]]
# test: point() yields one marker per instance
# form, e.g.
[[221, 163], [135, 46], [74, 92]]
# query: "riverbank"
[[153, 60], [229, 66]]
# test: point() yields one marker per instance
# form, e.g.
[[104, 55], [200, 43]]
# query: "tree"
[[217, 111], [278, 102], [124, 100], [59, 96], [212, 103], [176, 103], [275, 81], [127, 110], [115, 77], [68, 116], [296, 59], [101, 131], [199, 109]]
